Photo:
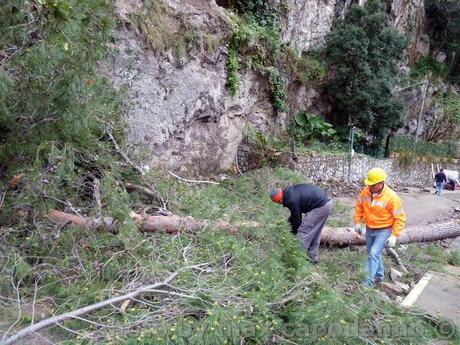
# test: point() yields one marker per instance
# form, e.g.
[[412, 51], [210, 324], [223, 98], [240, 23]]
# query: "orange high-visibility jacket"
[[383, 211]]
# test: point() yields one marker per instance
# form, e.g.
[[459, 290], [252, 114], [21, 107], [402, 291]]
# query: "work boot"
[[378, 282]]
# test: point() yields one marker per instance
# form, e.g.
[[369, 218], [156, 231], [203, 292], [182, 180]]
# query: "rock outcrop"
[[173, 70], [180, 113], [408, 17], [307, 23]]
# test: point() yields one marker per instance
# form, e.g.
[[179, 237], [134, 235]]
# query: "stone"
[[402, 286], [392, 289], [441, 57], [395, 275]]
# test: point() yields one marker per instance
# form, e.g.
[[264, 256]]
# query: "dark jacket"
[[440, 177], [302, 198], [450, 185]]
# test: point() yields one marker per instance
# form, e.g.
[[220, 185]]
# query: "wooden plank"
[[416, 291]]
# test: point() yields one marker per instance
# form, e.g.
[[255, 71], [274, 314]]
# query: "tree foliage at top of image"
[[55, 108], [444, 29], [49, 88], [363, 52]]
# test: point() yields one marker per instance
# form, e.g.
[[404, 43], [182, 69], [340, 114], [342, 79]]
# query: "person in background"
[[440, 178], [450, 185], [381, 209], [312, 201]]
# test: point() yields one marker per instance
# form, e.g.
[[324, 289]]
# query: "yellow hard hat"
[[374, 176]]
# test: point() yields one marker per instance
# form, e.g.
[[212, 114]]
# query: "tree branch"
[[192, 181], [150, 193], [124, 156], [76, 314], [97, 198], [395, 256]]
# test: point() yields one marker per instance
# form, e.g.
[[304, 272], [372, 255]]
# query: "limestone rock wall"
[[179, 111]]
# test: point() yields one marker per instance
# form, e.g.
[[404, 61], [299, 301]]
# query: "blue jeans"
[[439, 187], [375, 241]]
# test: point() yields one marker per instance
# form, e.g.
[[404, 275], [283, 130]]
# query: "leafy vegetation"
[[261, 45], [406, 143], [277, 88], [49, 88], [162, 30], [56, 109], [262, 11], [429, 256], [407, 159], [309, 67], [364, 53], [428, 66], [454, 258], [306, 127], [256, 44], [444, 30], [447, 127], [256, 286]]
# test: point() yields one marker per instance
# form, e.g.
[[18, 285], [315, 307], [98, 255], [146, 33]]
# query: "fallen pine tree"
[[174, 224], [144, 222], [414, 233]]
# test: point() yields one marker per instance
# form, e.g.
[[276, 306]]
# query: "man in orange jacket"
[[381, 209]]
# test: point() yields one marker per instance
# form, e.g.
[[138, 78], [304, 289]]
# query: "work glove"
[[358, 228], [391, 241]]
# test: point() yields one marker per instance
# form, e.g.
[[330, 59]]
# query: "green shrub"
[[443, 22], [310, 68], [306, 127], [277, 88], [364, 52], [50, 88], [406, 143], [262, 11], [454, 257], [233, 79], [447, 127], [427, 65], [259, 48], [407, 159]]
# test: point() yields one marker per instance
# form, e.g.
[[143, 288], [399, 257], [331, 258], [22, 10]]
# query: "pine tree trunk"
[[415, 233], [145, 223], [174, 224]]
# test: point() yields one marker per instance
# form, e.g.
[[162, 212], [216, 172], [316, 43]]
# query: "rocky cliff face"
[[307, 23], [408, 16], [180, 113]]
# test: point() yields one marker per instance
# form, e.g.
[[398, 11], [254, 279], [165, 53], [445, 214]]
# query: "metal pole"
[[424, 90], [351, 138]]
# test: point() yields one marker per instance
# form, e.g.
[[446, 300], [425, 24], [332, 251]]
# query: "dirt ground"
[[422, 206]]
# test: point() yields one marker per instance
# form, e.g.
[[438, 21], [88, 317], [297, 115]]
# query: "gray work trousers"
[[309, 232]]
